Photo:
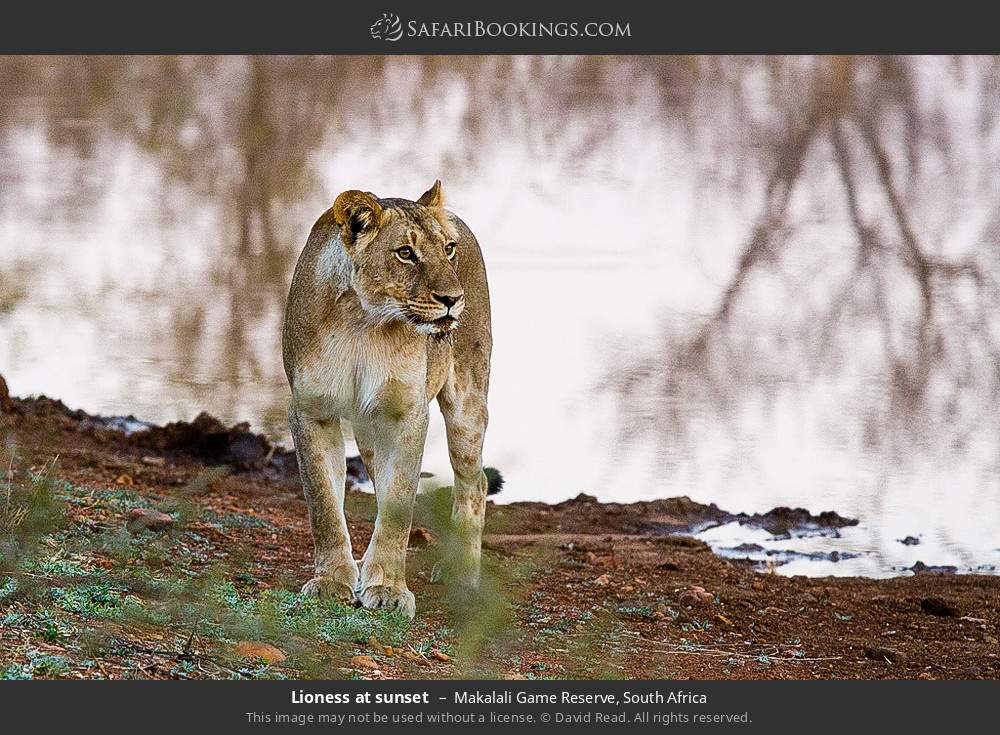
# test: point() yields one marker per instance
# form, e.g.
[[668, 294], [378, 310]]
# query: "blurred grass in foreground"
[[79, 581], [81, 596]]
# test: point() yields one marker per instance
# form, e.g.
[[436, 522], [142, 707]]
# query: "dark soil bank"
[[177, 552]]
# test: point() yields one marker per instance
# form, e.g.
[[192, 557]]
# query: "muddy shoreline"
[[650, 600], [207, 440]]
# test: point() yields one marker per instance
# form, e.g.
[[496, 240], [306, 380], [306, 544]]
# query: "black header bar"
[[515, 27]]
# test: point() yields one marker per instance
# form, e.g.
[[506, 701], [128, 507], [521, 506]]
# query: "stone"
[[6, 405], [147, 519], [696, 596], [257, 649], [940, 607], [364, 662], [416, 658], [885, 654]]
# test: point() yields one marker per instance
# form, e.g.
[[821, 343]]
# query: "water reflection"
[[752, 281]]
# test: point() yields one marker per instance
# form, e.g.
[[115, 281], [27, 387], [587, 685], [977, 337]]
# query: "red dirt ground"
[[596, 597]]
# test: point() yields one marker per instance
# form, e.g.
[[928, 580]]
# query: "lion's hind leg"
[[463, 404]]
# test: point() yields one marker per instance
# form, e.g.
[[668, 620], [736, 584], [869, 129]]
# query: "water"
[[756, 282]]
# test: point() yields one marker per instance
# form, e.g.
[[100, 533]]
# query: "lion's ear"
[[433, 197], [356, 212]]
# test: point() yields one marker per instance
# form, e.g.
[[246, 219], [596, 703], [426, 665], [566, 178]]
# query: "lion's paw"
[[338, 585], [465, 576], [388, 598]]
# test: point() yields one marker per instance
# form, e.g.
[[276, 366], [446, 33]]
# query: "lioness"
[[388, 310]]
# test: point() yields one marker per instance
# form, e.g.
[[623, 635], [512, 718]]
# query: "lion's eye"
[[406, 254], [449, 249]]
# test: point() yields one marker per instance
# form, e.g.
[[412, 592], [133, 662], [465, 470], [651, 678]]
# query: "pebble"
[[6, 405], [600, 561], [416, 658], [695, 596], [885, 654], [364, 662], [257, 649], [940, 607], [440, 656], [147, 519]]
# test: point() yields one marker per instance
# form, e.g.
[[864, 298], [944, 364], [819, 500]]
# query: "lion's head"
[[404, 255]]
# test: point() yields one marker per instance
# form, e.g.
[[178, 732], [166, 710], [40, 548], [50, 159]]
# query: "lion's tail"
[[494, 480]]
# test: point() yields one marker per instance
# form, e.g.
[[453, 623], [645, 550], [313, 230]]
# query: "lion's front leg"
[[396, 446], [320, 449]]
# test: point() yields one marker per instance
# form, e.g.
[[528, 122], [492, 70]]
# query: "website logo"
[[390, 28], [387, 28]]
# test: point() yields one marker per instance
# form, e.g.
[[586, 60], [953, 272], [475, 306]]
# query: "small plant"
[[29, 511], [641, 611], [47, 627], [15, 672], [49, 666]]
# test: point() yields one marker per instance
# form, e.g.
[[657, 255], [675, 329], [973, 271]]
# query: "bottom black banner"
[[454, 706]]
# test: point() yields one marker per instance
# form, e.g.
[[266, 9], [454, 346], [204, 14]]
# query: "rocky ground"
[[178, 551]]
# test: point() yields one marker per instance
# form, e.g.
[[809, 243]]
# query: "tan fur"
[[371, 339]]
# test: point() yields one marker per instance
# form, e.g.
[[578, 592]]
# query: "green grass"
[[55, 590], [280, 615], [74, 581]]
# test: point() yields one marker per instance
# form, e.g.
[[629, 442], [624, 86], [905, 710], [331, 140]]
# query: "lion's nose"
[[448, 300]]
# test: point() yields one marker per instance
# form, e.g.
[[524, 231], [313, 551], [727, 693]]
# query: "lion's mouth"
[[445, 323], [440, 327]]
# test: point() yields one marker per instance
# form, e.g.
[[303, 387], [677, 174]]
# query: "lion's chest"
[[351, 376]]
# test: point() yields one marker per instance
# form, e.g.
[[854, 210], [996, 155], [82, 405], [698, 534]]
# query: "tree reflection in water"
[[844, 227]]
